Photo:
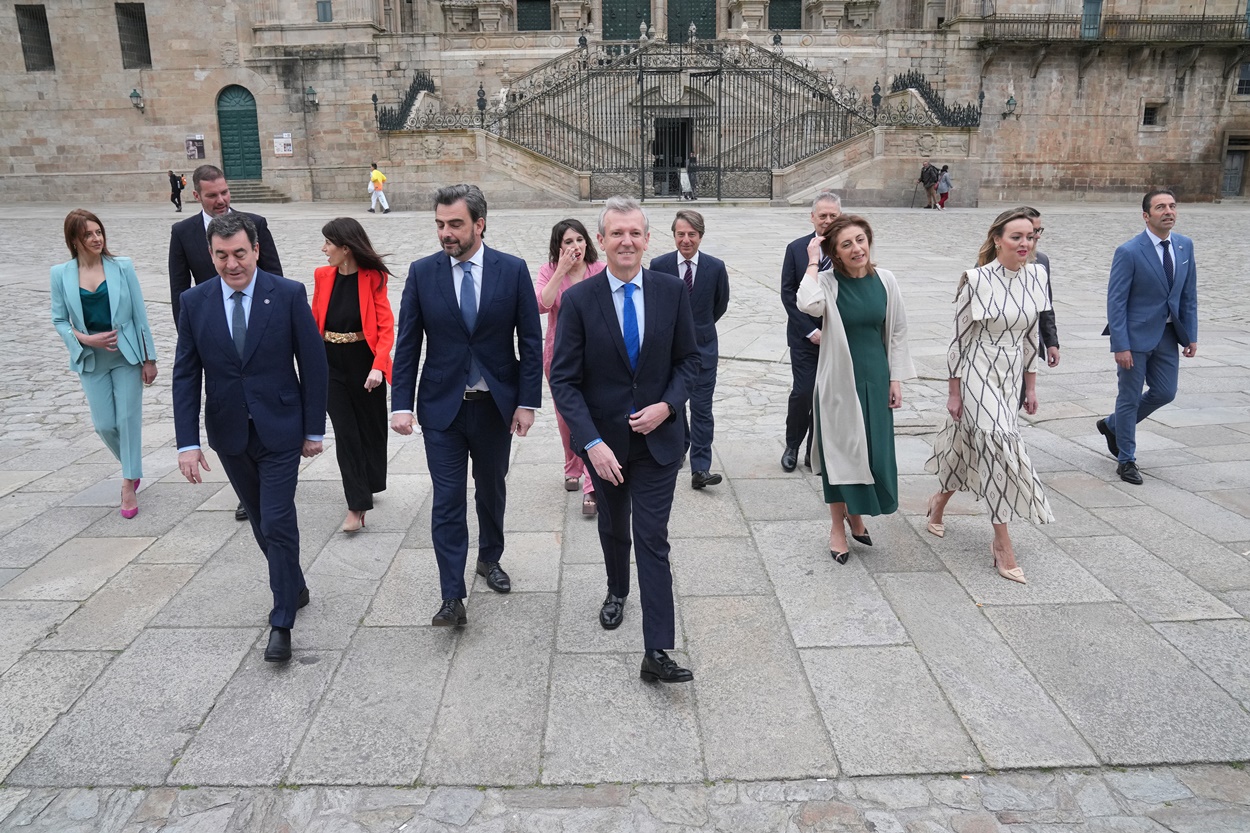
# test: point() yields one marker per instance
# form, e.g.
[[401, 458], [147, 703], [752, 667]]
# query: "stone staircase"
[[253, 190]]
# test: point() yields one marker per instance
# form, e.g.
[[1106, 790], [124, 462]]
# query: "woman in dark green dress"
[[862, 362]]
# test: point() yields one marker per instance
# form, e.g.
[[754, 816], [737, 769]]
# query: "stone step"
[[248, 190]]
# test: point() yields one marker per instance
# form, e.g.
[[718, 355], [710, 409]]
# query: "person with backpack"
[[176, 184], [929, 178]]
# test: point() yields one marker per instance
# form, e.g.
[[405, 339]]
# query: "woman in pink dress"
[[572, 258]]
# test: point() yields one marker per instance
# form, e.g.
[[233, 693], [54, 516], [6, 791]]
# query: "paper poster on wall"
[[195, 146], [282, 145]]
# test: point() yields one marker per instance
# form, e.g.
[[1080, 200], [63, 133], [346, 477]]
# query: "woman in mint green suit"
[[97, 308]]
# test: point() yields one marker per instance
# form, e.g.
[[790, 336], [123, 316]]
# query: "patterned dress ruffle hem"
[[995, 328]]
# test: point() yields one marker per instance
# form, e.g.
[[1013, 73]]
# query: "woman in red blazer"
[[355, 320]]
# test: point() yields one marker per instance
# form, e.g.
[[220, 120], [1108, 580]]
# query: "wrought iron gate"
[[634, 115]]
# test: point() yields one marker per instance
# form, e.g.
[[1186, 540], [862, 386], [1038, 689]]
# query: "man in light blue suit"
[[1152, 309]]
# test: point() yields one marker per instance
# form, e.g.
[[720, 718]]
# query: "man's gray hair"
[[827, 196], [230, 224], [624, 205], [473, 198]]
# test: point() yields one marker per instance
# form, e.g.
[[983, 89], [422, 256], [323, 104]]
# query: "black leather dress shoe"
[[612, 613], [699, 479], [790, 460], [496, 578], [279, 647], [1128, 473], [1101, 425], [658, 667], [450, 615], [240, 514], [303, 597]]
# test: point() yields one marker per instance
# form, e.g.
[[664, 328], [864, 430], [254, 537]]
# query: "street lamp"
[[136, 98], [1011, 108], [310, 97], [876, 97]]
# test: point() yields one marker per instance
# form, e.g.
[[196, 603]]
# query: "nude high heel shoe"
[[1014, 574], [353, 524], [934, 529]]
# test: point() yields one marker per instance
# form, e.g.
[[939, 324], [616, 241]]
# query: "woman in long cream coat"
[[862, 363]]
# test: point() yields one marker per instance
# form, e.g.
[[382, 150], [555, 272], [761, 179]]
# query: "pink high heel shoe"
[[129, 514]]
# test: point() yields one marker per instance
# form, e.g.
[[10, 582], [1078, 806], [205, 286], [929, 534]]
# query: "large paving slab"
[[34, 693], [132, 725], [1164, 709], [1011, 718]]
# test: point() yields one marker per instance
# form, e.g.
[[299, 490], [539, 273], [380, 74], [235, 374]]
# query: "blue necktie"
[[238, 322], [468, 308], [630, 327], [1169, 270]]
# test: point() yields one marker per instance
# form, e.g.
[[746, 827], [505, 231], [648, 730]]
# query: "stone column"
[[827, 13], [748, 12], [569, 14]]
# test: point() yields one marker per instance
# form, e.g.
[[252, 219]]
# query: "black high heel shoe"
[[840, 557], [864, 539]]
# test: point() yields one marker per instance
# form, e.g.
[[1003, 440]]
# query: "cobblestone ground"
[[1110, 694]]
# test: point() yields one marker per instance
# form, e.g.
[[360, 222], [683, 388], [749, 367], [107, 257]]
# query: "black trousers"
[[647, 495], [176, 198], [265, 482], [803, 358], [360, 423]]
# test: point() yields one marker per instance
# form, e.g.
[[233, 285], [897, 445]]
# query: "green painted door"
[[681, 13], [621, 18], [240, 133]]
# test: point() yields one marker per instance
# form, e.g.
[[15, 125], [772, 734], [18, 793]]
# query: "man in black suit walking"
[[475, 311], [625, 358], [240, 337], [707, 281], [189, 256], [1048, 331], [803, 332]]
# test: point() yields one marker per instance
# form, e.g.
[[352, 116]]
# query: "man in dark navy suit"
[[1152, 315], [189, 257], [803, 332], [708, 284], [241, 336], [625, 358], [468, 305]]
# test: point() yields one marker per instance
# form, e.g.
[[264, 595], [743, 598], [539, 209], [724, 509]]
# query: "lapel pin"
[[266, 300]]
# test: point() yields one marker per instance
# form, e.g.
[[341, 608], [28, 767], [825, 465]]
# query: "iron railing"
[[393, 118], [1132, 28], [948, 115]]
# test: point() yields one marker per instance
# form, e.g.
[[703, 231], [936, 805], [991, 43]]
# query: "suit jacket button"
[[635, 386]]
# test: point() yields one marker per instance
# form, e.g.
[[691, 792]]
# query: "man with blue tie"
[[707, 281], [241, 336], [475, 311], [1152, 308], [625, 358]]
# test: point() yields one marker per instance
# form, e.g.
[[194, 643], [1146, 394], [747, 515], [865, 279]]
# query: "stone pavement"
[[133, 696]]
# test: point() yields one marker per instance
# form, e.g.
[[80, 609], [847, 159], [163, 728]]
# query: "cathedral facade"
[[550, 101]]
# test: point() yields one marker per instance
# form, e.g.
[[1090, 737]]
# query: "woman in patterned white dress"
[[979, 450]]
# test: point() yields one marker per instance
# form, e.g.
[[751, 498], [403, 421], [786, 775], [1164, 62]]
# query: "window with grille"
[[533, 15], [325, 12], [1243, 80], [785, 14], [132, 31], [32, 27]]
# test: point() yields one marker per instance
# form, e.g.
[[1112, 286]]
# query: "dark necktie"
[[689, 277], [825, 263], [1169, 270], [238, 322], [468, 308], [630, 326]]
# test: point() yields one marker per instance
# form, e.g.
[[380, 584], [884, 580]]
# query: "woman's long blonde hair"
[[988, 253]]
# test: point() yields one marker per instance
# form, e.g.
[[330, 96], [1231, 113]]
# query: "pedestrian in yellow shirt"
[[376, 181]]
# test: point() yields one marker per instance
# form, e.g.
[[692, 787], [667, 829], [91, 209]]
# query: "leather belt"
[[476, 395], [343, 338]]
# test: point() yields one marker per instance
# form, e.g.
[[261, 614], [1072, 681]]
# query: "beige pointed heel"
[[934, 529], [1014, 574], [353, 524]]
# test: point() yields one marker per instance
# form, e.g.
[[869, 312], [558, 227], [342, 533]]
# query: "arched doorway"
[[240, 133]]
